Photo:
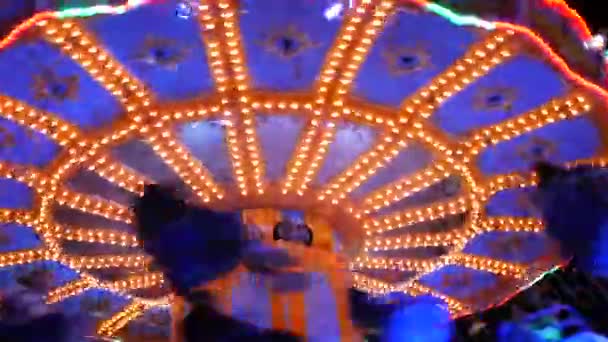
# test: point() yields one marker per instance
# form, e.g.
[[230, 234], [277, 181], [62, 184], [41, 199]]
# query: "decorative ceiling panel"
[[349, 143], [414, 157], [521, 247], [278, 139], [22, 146], [162, 50], [559, 143], [17, 237], [15, 195], [52, 82], [286, 42], [415, 126], [205, 140], [503, 93], [408, 53]]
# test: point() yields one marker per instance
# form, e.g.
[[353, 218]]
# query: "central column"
[[178, 308]]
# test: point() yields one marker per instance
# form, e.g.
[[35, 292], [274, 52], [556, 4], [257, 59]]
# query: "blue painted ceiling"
[[285, 44]]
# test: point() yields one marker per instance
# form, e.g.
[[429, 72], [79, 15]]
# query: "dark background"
[[592, 12]]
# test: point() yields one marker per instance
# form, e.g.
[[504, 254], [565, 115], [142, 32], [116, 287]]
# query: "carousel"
[[400, 133]]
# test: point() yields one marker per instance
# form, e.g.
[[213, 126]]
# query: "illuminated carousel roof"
[[410, 128]]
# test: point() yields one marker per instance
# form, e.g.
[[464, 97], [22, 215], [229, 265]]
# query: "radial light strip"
[[365, 166], [94, 205], [48, 124], [476, 262], [221, 34], [83, 202], [136, 282], [454, 237], [30, 176], [70, 289], [499, 183], [476, 62], [104, 236], [516, 180], [105, 261], [349, 51], [21, 257], [23, 217], [412, 216], [366, 283], [234, 48], [405, 187], [184, 164], [423, 266], [60, 131], [512, 224], [120, 175], [556, 110], [434, 138], [220, 70], [400, 264], [455, 306], [80, 45], [121, 319]]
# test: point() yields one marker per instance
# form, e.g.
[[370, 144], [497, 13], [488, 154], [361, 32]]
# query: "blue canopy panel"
[[48, 80], [158, 47]]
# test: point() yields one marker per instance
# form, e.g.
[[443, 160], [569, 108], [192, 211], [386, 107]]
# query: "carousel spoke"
[[476, 63], [219, 23], [105, 261], [348, 53], [82, 46], [185, 165], [94, 205], [399, 264], [405, 187], [48, 124], [120, 175], [412, 216], [136, 282], [476, 262], [570, 106], [455, 306], [92, 235], [23, 217], [70, 289], [130, 312], [21, 257], [457, 237], [512, 224]]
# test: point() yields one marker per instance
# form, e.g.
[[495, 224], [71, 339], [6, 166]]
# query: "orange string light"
[[87, 52]]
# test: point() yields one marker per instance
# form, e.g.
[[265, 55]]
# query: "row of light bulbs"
[[226, 58], [413, 288], [121, 319], [346, 56], [227, 62], [85, 282], [476, 63], [425, 266], [568, 107], [188, 168]]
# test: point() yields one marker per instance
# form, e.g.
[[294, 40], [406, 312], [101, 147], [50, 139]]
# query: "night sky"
[[592, 11]]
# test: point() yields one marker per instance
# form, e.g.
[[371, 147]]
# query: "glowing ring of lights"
[[145, 118]]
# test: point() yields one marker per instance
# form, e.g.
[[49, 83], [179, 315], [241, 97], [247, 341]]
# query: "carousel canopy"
[[410, 127]]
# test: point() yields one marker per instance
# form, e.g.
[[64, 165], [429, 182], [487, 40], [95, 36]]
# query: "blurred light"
[[184, 10], [334, 11], [597, 43]]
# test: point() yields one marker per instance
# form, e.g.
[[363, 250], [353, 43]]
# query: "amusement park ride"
[[403, 133]]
